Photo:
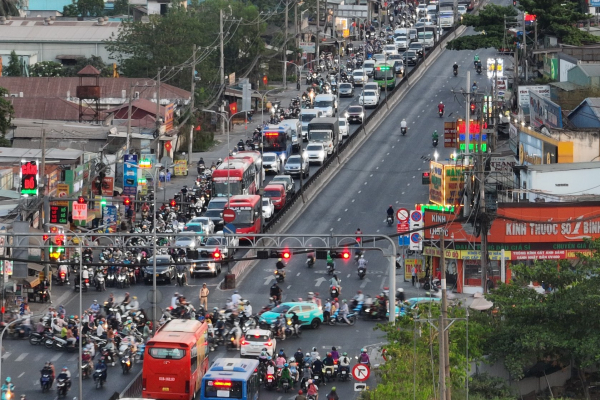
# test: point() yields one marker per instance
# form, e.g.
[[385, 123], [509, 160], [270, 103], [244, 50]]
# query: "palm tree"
[[8, 7]]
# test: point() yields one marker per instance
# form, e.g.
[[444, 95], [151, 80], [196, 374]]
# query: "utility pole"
[[285, 38], [296, 26], [43, 170], [128, 141], [524, 47], [222, 67], [466, 162], [158, 118], [317, 36], [482, 216], [442, 322], [192, 102]]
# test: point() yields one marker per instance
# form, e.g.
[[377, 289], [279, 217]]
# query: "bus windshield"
[[383, 73], [320, 136], [244, 216], [220, 188], [223, 388]]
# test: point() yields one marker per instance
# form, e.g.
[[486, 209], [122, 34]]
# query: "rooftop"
[[564, 167], [34, 30], [593, 102], [51, 108], [590, 69], [15, 154], [66, 88], [30, 128]]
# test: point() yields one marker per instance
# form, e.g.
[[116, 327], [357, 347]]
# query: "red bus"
[[255, 158], [175, 360], [248, 212], [237, 174]]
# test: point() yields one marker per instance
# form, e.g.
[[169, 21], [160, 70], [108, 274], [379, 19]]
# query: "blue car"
[[413, 303], [309, 314]]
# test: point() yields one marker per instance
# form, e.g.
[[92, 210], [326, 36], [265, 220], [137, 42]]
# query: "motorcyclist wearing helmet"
[[434, 135], [294, 369], [312, 389], [275, 292], [66, 375], [403, 124], [344, 363], [317, 366], [300, 395], [358, 298], [441, 107], [329, 366], [285, 375], [48, 371], [455, 66], [364, 357], [299, 356], [344, 311], [390, 211], [333, 394], [7, 389], [101, 366], [476, 59]]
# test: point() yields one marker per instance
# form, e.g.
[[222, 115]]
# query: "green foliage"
[[489, 24], [559, 327], [6, 112], [94, 61], [558, 17], [414, 351], [121, 7], [14, 67], [45, 69], [9, 7], [141, 49], [489, 387], [84, 8]]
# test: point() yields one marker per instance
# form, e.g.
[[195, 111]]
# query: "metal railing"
[[341, 149], [134, 389]]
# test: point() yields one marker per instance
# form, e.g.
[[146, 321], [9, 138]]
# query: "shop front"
[[521, 234]]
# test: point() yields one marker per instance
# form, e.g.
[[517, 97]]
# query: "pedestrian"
[[204, 292], [414, 274], [327, 311]]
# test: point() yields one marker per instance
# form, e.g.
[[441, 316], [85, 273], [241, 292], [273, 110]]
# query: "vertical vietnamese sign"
[[109, 217], [29, 178], [436, 178], [454, 182], [416, 238], [130, 162]]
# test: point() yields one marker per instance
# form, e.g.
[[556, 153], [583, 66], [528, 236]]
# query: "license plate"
[[165, 389], [270, 380]]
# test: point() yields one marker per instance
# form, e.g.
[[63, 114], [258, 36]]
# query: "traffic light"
[[173, 203], [102, 202], [216, 255], [126, 201], [45, 237], [472, 106], [286, 255], [265, 254], [343, 254], [81, 200]]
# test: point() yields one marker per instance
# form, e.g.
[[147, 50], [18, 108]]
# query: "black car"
[[399, 67], [410, 57], [355, 114], [216, 216], [417, 48], [165, 269]]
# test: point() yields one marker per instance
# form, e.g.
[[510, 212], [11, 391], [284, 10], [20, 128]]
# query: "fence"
[[344, 147], [134, 389]]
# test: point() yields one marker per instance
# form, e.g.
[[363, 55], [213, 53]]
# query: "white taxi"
[[255, 340]]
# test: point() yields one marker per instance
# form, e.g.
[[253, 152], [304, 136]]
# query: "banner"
[[62, 190], [180, 168], [409, 263]]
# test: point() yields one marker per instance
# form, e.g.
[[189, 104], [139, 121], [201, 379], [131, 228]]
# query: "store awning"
[[35, 267], [33, 281]]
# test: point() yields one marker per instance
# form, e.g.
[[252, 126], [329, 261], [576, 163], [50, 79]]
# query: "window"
[[162, 353], [194, 358], [306, 309], [224, 388]]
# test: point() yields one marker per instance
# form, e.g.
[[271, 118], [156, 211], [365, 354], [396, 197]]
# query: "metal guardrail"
[[342, 148], [134, 389]]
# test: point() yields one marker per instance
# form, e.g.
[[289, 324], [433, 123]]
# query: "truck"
[[446, 15], [326, 131]]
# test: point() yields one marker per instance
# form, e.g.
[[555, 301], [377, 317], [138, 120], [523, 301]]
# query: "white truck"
[[446, 15]]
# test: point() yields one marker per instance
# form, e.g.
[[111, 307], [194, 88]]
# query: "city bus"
[[175, 360], [234, 176], [384, 75], [254, 157], [278, 140], [233, 378], [248, 211]]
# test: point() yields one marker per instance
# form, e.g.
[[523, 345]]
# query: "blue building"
[[586, 114]]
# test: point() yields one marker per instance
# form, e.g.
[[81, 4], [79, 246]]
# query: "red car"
[[276, 192]]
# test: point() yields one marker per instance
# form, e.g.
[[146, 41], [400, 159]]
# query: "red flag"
[[232, 108]]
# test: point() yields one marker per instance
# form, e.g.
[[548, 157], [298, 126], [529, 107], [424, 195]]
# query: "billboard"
[[544, 112], [446, 183], [523, 98]]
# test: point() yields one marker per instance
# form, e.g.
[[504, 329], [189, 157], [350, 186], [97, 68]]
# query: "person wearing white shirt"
[[175, 300], [100, 330], [235, 298]]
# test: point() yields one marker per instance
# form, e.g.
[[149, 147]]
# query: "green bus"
[[384, 75]]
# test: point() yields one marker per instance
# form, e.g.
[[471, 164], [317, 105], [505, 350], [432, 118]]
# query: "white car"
[[316, 152], [344, 127], [359, 76], [208, 226], [226, 246], [462, 10], [390, 49], [188, 240], [372, 86], [255, 340], [401, 43], [368, 98], [271, 163], [268, 209], [368, 67]]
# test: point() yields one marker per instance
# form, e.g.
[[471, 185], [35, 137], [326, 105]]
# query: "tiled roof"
[[142, 104], [89, 70], [45, 109]]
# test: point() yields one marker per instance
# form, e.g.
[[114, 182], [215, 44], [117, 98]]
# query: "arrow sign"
[[362, 285], [361, 372], [319, 281], [268, 279]]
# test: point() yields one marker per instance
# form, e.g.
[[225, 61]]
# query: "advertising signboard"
[[130, 173], [523, 97], [544, 112]]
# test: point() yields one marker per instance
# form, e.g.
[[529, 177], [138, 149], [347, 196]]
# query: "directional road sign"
[[361, 372], [402, 214]]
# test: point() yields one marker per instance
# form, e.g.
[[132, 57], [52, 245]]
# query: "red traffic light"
[[346, 255], [45, 237], [472, 106], [265, 80], [216, 255], [59, 239], [173, 203], [126, 201], [286, 255], [81, 200]]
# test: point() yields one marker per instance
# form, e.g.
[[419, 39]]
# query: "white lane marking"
[[413, 177], [376, 167], [418, 169], [353, 200], [359, 191], [298, 274], [403, 192], [371, 175], [339, 219], [22, 357], [346, 210], [393, 147], [348, 276], [56, 357], [408, 184], [387, 154], [331, 230], [22, 373], [6, 355], [289, 286], [377, 230], [365, 183]]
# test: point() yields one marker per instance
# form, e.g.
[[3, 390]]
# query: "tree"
[[46, 68], [490, 25], [141, 49], [121, 7], [14, 67], [84, 8], [9, 7], [559, 18], [559, 327], [94, 61], [6, 114]]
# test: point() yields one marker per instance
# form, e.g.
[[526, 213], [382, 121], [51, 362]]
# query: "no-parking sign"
[[416, 238]]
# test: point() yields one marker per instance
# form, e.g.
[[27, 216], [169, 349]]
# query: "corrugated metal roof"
[[566, 86], [593, 102], [590, 69], [51, 108], [67, 31], [26, 128], [111, 87], [10, 154]]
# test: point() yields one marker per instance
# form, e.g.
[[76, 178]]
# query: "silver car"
[[346, 89], [297, 165], [188, 240]]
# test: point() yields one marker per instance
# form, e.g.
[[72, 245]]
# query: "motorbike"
[[403, 131], [180, 278], [330, 268], [455, 71], [310, 261], [337, 319], [334, 292], [62, 387], [270, 381], [362, 271], [86, 370], [99, 378], [279, 275], [100, 283], [126, 364], [389, 220], [479, 69], [343, 374], [45, 382], [434, 142], [441, 112], [61, 279]]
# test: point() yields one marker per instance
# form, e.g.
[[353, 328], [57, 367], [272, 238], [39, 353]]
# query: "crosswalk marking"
[[38, 357], [6, 355], [56, 357], [22, 356]]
